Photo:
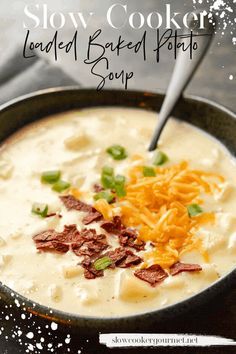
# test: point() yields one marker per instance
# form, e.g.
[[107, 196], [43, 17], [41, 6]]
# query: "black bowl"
[[209, 116]]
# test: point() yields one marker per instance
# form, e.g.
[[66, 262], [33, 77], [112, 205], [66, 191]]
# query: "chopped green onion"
[[107, 178], [102, 263], [118, 152], [194, 209], [120, 186], [160, 158], [40, 209], [60, 186], [50, 176], [149, 171], [104, 195]]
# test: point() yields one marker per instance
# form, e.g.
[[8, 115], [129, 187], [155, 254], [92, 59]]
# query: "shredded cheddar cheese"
[[157, 207], [104, 208]]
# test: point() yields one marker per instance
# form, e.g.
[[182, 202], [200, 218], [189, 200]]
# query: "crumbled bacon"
[[127, 237], [130, 260], [114, 226], [71, 202], [60, 247], [139, 245], [91, 217], [53, 214], [123, 258], [92, 243], [184, 267], [89, 271], [44, 236], [52, 240], [153, 275], [56, 246], [97, 188], [69, 234], [44, 246]]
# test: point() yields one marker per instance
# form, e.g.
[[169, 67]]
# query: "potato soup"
[[94, 224]]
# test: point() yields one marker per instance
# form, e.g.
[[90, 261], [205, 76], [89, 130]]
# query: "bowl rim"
[[73, 318]]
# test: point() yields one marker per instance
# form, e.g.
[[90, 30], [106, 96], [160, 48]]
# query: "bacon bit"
[[127, 237], [91, 244], [50, 215], [114, 226], [184, 267], [91, 217], [153, 275], [123, 258], [51, 240], [45, 246], [70, 234], [60, 247], [139, 245], [130, 260], [89, 271], [98, 188], [44, 236], [71, 202], [56, 246]]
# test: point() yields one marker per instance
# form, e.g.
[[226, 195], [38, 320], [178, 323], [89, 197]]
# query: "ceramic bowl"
[[209, 116]]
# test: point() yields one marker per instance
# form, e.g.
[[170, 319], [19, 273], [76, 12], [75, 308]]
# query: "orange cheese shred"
[[157, 207]]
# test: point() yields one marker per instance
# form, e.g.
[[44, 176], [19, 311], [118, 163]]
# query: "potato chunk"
[[72, 271], [6, 168], [133, 289], [77, 141]]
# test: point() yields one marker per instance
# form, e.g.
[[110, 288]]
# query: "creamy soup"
[[92, 223]]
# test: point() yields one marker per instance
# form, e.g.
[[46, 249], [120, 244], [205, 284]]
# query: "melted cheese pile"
[[157, 207]]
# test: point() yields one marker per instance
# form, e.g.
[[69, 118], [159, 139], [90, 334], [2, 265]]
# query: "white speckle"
[[31, 347], [54, 326], [231, 77], [17, 303], [23, 316], [30, 335], [39, 346], [7, 318]]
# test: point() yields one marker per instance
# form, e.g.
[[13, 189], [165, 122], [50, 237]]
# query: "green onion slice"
[[104, 195], [107, 177], [160, 158], [60, 186], [118, 152], [102, 263], [120, 185], [50, 176], [149, 171], [40, 209], [194, 209]]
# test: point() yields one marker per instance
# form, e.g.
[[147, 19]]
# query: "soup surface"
[[92, 223]]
